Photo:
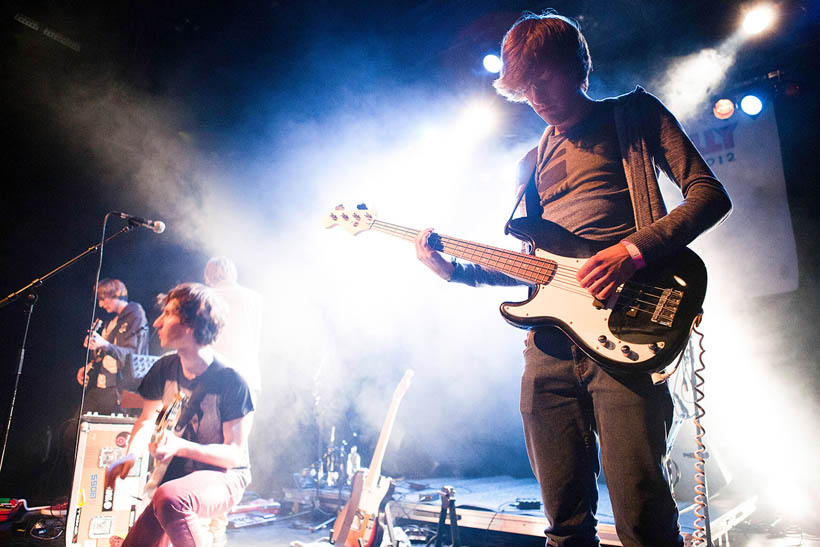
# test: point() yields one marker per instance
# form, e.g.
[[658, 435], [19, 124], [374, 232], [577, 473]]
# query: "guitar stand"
[[448, 504]]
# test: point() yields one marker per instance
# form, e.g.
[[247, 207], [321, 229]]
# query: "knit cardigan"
[[651, 140]]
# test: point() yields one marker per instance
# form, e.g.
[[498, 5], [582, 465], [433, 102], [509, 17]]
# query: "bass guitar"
[[357, 524], [642, 327]]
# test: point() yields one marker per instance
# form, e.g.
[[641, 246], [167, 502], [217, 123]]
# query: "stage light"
[[723, 109], [492, 63], [477, 119], [758, 19], [791, 499], [751, 105]]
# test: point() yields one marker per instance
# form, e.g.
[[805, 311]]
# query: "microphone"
[[156, 225]]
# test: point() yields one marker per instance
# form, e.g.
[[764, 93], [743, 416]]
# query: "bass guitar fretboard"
[[524, 267]]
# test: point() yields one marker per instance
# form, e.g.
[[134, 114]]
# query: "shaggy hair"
[[536, 43], [199, 309], [112, 288]]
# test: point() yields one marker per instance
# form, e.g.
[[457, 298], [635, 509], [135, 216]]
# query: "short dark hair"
[[112, 288], [536, 42], [199, 308]]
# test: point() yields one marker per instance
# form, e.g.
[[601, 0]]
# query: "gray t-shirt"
[[580, 178]]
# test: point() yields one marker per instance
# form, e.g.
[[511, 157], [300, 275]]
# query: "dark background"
[[227, 84]]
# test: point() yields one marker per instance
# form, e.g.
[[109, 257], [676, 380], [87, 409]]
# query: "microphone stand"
[[30, 300]]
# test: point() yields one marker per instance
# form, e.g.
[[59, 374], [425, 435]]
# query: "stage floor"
[[486, 511], [490, 504], [487, 516]]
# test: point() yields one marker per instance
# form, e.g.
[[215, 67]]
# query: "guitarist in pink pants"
[[594, 174], [206, 453]]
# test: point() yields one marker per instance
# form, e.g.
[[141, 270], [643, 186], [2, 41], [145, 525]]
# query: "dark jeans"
[[569, 405]]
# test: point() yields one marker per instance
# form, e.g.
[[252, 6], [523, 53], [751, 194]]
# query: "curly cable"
[[702, 535]]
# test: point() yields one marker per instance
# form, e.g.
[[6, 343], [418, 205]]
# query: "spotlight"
[[751, 105], [478, 119], [723, 109], [492, 63], [758, 19]]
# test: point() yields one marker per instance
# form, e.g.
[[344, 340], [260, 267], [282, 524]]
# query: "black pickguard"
[[624, 322]]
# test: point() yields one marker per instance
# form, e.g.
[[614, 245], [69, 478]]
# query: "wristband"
[[634, 253]]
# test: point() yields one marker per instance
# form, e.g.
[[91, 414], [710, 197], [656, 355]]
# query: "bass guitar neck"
[[642, 327]]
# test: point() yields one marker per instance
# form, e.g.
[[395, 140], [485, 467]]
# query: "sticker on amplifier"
[[108, 499], [108, 455], [122, 439], [101, 526]]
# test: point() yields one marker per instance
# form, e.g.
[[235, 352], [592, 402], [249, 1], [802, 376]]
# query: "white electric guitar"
[[166, 422], [642, 327], [357, 524]]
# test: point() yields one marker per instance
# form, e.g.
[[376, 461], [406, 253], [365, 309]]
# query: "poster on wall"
[[753, 252]]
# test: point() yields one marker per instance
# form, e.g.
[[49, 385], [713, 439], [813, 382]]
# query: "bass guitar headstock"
[[353, 220]]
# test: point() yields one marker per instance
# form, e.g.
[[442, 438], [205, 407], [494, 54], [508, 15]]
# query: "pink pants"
[[177, 506]]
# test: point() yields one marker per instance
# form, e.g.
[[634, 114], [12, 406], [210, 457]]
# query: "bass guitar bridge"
[[667, 306]]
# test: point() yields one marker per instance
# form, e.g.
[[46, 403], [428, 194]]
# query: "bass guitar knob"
[[626, 350], [654, 348]]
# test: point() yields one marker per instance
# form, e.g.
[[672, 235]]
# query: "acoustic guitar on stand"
[[357, 524], [642, 327]]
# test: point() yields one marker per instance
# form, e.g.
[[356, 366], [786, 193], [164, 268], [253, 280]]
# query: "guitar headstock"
[[404, 384], [353, 220], [95, 327], [169, 414]]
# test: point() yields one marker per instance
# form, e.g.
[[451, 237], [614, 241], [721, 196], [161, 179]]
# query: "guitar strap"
[[190, 407], [532, 203], [197, 394]]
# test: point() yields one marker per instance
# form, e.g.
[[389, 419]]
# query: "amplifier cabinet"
[[96, 513]]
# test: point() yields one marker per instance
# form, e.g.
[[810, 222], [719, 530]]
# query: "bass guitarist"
[[594, 174], [207, 458]]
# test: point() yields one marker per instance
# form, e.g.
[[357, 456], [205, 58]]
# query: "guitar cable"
[[703, 534]]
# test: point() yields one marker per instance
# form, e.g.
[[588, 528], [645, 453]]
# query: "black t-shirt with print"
[[218, 395]]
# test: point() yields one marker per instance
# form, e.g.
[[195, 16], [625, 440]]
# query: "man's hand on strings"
[[81, 377], [432, 258], [95, 341], [167, 447], [119, 469], [604, 271]]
